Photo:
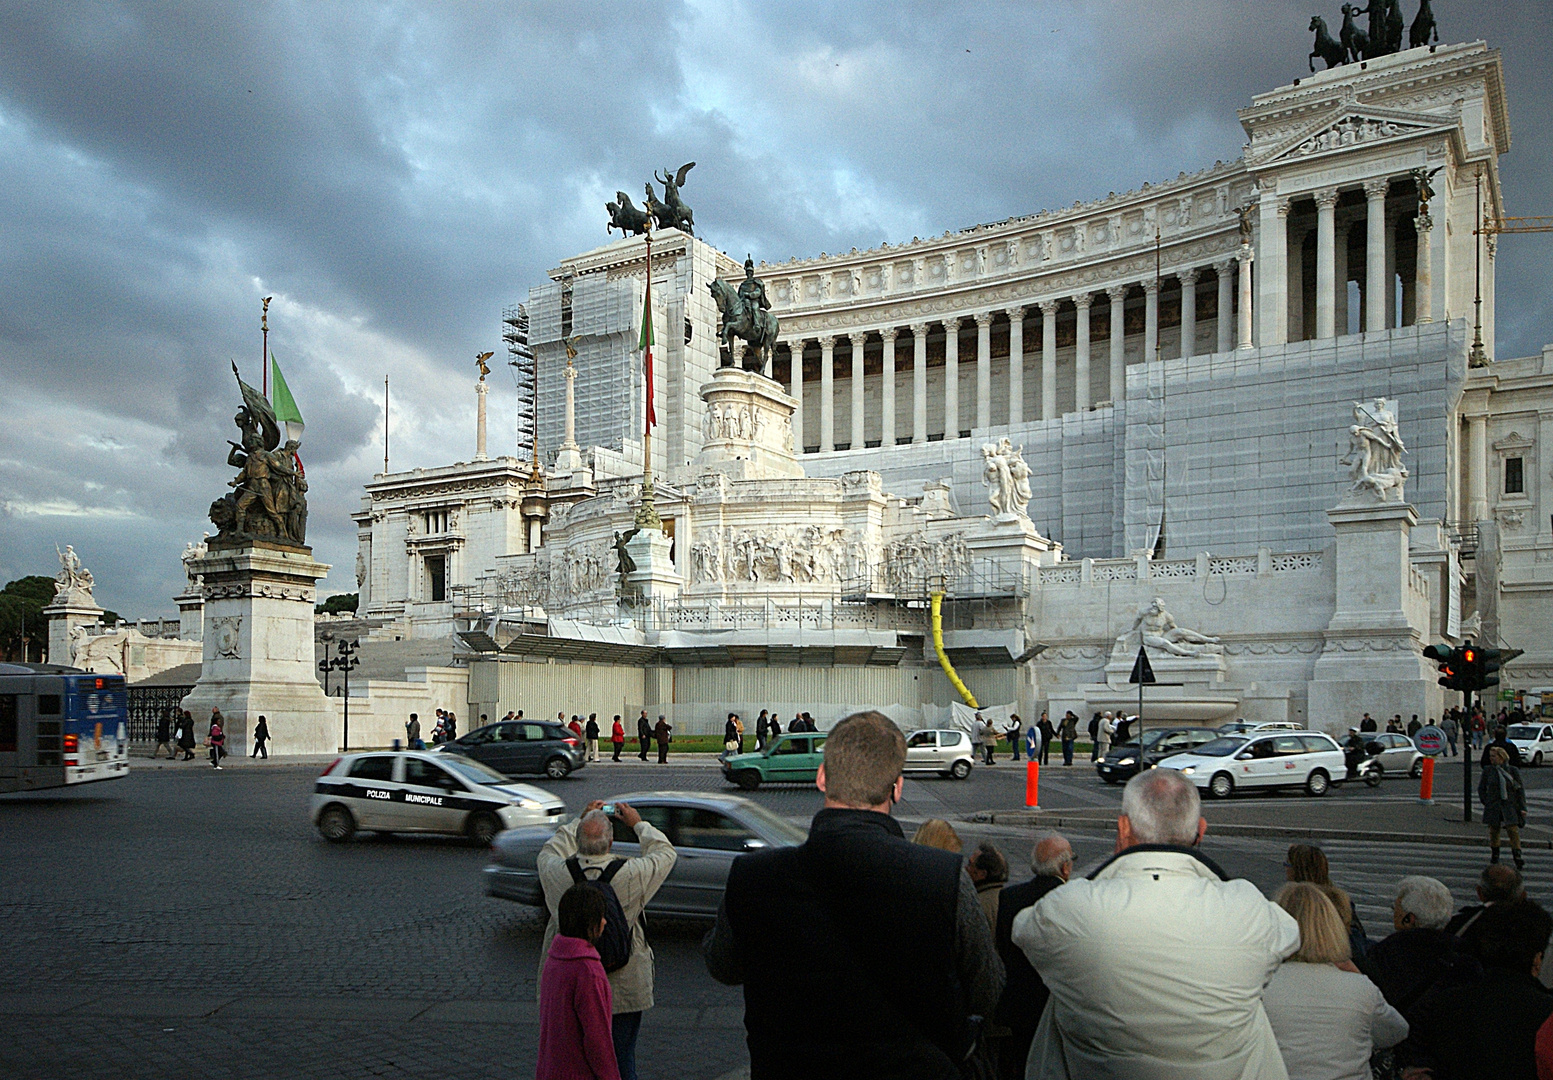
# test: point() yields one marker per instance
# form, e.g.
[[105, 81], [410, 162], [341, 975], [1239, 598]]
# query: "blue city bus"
[[61, 726]]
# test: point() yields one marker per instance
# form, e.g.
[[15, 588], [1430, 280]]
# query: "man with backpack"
[[580, 851]]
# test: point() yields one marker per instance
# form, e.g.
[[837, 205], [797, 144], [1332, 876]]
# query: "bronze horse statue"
[[1423, 26], [672, 213], [758, 327], [624, 215], [1356, 43], [1329, 49]]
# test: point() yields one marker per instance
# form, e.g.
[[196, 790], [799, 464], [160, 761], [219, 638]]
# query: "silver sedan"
[[708, 830]]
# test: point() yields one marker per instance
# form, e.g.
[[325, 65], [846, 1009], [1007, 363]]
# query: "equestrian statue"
[[746, 313]]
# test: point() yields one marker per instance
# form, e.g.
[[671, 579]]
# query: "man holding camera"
[[584, 846]]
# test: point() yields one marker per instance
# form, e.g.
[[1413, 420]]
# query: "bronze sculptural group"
[[268, 500], [746, 314], [1383, 37], [668, 213]]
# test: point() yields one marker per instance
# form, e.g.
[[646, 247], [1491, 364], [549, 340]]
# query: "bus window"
[[7, 723], [48, 704]]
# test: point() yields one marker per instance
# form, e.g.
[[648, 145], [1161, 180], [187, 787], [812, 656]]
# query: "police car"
[[415, 791]]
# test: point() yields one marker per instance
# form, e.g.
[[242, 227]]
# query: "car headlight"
[[1128, 761], [530, 804], [1189, 769]]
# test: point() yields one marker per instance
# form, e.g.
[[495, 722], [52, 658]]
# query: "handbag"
[[731, 745]]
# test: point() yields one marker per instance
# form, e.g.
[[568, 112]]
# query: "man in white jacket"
[[1156, 962]]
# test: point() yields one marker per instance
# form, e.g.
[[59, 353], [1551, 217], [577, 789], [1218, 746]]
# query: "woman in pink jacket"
[[574, 997]]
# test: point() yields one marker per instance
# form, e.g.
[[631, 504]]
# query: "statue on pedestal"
[[1007, 478], [746, 314], [1155, 628], [1375, 452], [269, 494], [72, 576]]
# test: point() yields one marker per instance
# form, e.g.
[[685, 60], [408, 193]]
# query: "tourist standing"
[[452, 726], [1107, 729], [164, 735], [738, 724], [1069, 736], [1048, 734], [412, 733], [216, 739], [261, 735], [1504, 804], [1094, 737], [643, 733], [986, 736], [1014, 735], [762, 729], [186, 735], [591, 733], [617, 736], [575, 1001], [776, 727], [663, 731]]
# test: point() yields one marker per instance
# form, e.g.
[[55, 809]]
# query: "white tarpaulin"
[[964, 717]]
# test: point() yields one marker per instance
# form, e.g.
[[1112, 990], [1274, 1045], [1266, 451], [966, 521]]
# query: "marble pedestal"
[[68, 610], [1371, 659], [258, 649], [654, 577], [1011, 543], [748, 428]]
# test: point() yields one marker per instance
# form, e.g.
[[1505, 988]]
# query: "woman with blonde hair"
[[1327, 1017], [1305, 862], [935, 832], [1504, 803]]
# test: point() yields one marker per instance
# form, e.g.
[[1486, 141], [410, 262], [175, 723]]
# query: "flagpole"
[[264, 351], [647, 514], [385, 425]]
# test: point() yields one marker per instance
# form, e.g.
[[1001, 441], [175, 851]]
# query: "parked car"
[[514, 747], [1534, 741], [1305, 759], [945, 751], [1121, 762], [1246, 727], [418, 791], [789, 759], [708, 830], [1395, 754]]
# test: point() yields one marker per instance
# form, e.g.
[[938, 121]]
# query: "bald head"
[[595, 833], [1501, 884], [1052, 856]]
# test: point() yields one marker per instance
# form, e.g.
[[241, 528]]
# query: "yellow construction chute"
[[943, 657]]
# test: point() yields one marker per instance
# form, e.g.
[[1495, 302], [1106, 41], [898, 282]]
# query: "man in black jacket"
[[891, 954], [1024, 994], [1408, 963], [643, 733], [1498, 884]]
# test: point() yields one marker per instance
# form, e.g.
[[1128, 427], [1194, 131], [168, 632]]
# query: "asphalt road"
[[185, 922]]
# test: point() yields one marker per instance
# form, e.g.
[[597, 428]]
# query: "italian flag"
[[285, 406], [645, 343]]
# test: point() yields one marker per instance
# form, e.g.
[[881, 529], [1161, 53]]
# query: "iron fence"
[[148, 704]]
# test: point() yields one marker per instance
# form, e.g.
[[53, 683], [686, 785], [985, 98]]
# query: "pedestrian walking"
[[731, 734], [164, 735], [591, 733], [1015, 734], [1069, 736], [1367, 723], [738, 726], [1504, 804], [1094, 737], [451, 726], [580, 851], [216, 739], [643, 733], [186, 735], [762, 729], [891, 954], [986, 736], [1451, 730], [261, 736], [1048, 734], [575, 1001], [663, 732], [1107, 729], [412, 733], [617, 736], [776, 727]]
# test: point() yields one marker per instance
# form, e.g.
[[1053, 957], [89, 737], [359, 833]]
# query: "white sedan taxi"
[[1534, 741], [1305, 759], [416, 791]]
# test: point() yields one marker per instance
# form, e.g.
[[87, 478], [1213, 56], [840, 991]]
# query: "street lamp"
[[343, 663]]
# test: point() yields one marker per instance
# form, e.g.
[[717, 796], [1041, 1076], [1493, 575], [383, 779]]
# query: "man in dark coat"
[[1498, 884], [186, 736], [664, 733], [1488, 1026], [1408, 963], [643, 733], [892, 955], [1024, 994], [164, 735]]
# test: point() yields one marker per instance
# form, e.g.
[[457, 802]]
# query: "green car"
[[790, 759]]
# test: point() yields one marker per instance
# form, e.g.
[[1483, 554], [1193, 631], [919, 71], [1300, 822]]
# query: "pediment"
[[1512, 442], [1349, 126]]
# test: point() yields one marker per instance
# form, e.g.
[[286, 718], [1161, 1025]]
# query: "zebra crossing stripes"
[[1369, 873]]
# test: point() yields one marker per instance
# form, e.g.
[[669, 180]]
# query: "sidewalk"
[[202, 757]]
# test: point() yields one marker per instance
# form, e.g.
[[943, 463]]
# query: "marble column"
[[1118, 297], [1081, 351], [1326, 263], [827, 394], [1477, 468], [1273, 288], [919, 382], [1423, 284], [795, 351], [481, 390], [887, 405], [952, 377], [1375, 291], [984, 369], [1150, 321], [1016, 365], [1244, 273], [1049, 360], [858, 341], [1188, 280], [1226, 309]]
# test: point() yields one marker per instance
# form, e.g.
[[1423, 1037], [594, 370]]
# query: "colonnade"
[[914, 429]]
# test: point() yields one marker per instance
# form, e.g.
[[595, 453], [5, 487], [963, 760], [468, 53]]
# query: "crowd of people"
[[175, 734], [918, 958]]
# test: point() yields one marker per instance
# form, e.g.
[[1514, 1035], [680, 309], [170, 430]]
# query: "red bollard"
[[1033, 785], [1426, 782]]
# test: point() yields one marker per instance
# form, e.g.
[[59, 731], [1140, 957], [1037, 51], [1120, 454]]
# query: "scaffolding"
[[520, 357]]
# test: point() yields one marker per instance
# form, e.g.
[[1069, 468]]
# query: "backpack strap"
[[575, 869], [609, 871]]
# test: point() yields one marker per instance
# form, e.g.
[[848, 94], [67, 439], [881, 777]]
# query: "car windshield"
[[475, 772], [773, 825], [1220, 747], [1524, 731]]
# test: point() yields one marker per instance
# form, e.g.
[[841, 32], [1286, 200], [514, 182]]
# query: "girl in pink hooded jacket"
[[575, 1041]]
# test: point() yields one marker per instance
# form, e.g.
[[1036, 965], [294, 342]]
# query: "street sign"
[[1141, 671], [1430, 740]]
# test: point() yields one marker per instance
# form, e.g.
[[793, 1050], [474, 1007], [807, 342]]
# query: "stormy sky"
[[395, 173]]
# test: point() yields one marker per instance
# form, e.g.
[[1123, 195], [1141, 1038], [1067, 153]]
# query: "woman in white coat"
[[1327, 1017]]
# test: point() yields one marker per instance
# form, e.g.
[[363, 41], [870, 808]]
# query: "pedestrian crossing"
[[1369, 873]]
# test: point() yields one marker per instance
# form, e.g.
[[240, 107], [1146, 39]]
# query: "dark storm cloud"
[[395, 173]]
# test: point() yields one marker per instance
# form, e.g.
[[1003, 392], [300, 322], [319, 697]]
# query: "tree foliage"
[[21, 612], [338, 604]]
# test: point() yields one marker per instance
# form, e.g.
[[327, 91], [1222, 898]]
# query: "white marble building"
[[1182, 427]]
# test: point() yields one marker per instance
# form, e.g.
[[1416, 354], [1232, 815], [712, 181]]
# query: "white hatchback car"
[[418, 791], [1305, 759], [1534, 741]]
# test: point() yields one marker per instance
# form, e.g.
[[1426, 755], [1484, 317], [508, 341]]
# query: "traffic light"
[[1471, 667], [1489, 661], [1451, 664]]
